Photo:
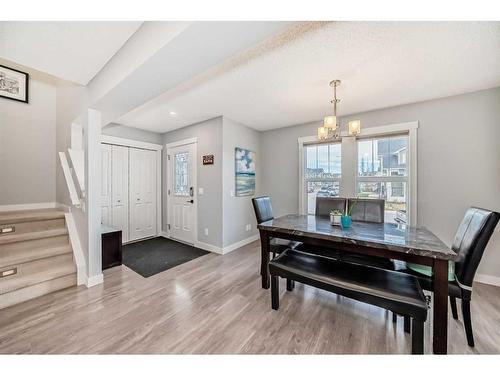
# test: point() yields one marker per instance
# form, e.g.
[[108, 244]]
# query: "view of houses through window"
[[322, 172], [382, 172]]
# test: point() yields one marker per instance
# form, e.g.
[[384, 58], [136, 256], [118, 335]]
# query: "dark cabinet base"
[[111, 249]]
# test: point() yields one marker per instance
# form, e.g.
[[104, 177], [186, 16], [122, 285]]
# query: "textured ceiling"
[[284, 81], [73, 51]]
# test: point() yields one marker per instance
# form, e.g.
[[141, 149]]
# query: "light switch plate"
[[200, 191], [231, 193], [206, 231]]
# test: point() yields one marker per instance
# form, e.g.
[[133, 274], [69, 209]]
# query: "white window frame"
[[349, 177], [334, 179]]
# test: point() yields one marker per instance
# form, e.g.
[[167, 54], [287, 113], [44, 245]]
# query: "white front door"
[[142, 193], [119, 195], [182, 193]]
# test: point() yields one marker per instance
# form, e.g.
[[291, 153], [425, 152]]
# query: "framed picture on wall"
[[245, 172], [14, 84]]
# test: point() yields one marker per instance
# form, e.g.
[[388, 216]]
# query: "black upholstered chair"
[[324, 205], [368, 210], [470, 241], [264, 212]]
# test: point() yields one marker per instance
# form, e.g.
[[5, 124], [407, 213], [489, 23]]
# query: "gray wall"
[[238, 211], [209, 134], [458, 161], [117, 130], [71, 103], [27, 146]]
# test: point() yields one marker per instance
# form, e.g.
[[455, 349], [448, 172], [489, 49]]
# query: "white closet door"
[[142, 193], [106, 217], [119, 195]]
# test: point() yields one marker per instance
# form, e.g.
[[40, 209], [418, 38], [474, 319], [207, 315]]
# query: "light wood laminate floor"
[[214, 304]]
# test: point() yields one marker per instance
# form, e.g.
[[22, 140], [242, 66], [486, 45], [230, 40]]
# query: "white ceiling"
[[381, 64], [73, 51]]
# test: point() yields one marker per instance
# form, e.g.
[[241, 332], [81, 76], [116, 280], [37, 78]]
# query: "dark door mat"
[[156, 255]]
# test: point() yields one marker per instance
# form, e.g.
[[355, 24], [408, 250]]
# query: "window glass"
[[322, 172], [320, 189], [382, 157], [394, 194], [181, 177], [323, 161]]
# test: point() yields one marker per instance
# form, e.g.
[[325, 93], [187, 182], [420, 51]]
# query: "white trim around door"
[[168, 172], [145, 146], [130, 143]]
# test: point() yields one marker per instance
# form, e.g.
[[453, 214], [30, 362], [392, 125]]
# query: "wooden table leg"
[[440, 322], [264, 260]]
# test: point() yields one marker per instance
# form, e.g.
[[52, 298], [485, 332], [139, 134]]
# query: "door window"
[[181, 175]]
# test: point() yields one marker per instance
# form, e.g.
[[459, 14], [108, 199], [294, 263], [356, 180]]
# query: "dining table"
[[388, 240]]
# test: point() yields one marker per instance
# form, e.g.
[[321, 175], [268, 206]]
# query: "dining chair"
[[264, 212], [369, 210], [469, 243], [325, 205]]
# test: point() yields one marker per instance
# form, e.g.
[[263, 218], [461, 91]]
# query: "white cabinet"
[[142, 193], [106, 184], [119, 192], [128, 193]]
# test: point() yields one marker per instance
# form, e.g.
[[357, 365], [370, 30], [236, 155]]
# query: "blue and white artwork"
[[245, 172]]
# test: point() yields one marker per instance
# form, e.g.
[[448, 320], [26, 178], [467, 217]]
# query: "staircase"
[[35, 255]]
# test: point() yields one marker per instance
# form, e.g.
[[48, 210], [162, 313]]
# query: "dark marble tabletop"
[[401, 238]]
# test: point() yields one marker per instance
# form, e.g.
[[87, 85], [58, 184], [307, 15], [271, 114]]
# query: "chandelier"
[[331, 128]]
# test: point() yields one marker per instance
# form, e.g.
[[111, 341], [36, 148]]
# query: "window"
[[322, 173], [181, 178], [379, 164], [383, 173]]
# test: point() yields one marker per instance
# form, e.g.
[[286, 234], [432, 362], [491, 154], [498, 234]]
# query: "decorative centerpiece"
[[346, 220], [335, 217]]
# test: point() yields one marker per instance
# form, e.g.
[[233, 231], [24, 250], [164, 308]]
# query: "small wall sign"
[[208, 159]]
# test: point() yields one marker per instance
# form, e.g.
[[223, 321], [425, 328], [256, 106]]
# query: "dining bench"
[[398, 292]]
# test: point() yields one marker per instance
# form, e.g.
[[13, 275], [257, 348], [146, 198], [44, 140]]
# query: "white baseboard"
[[28, 206], [226, 249], [62, 207], [487, 279], [95, 280], [237, 245], [163, 234], [208, 247]]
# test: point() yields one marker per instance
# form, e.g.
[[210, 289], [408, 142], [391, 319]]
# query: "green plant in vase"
[[346, 220]]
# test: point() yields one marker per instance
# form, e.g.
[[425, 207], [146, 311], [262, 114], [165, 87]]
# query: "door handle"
[[190, 201], [191, 192]]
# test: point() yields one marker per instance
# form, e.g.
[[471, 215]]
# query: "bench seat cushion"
[[390, 290]]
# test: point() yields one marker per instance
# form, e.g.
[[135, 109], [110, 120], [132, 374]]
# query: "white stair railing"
[[68, 176], [78, 161]]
